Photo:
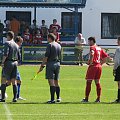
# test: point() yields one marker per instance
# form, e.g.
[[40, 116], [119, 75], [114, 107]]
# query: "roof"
[[43, 3]]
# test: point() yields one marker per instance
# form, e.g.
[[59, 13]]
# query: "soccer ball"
[[5, 96]]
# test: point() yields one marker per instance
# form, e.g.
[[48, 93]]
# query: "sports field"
[[72, 92]]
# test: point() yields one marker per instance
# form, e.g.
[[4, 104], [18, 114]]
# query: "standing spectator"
[[7, 25], [34, 26], [54, 25], [44, 29], [79, 42], [15, 25], [27, 37], [1, 30], [37, 38], [22, 27], [116, 69], [54, 31]]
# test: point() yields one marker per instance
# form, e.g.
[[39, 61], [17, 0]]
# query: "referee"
[[9, 65], [52, 62], [116, 69]]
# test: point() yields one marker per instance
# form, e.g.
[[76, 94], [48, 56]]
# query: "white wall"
[[91, 16]]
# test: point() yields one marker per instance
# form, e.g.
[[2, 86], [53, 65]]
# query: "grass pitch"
[[72, 92]]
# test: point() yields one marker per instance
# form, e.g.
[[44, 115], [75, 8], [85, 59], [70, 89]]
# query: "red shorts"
[[94, 72]]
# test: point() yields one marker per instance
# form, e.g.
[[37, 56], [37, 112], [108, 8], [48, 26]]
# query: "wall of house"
[[91, 17]]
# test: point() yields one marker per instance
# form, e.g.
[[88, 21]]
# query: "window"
[[21, 16], [110, 25], [68, 24]]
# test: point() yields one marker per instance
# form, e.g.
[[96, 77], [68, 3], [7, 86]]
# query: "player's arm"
[[47, 54], [43, 64], [6, 51], [90, 62]]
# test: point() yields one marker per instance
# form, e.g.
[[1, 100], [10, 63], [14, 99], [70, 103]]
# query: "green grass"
[[72, 91]]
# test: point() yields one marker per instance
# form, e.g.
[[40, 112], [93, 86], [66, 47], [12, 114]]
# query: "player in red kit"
[[96, 59]]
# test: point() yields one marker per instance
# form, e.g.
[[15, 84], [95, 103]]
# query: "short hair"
[[92, 39], [118, 38], [43, 20], [18, 39], [54, 20], [52, 36], [10, 34], [34, 21]]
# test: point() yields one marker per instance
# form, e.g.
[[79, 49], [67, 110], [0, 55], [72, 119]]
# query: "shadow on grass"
[[63, 103]]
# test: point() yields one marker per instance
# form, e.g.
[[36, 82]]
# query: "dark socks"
[[15, 91], [18, 90], [87, 91], [58, 92], [52, 92], [3, 89], [118, 94]]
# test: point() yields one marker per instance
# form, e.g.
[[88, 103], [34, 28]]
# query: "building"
[[99, 18]]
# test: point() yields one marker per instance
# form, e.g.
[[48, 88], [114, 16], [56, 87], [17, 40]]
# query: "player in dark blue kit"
[[52, 62]]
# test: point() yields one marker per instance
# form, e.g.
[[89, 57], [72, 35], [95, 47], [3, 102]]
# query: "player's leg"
[[89, 77], [3, 86], [56, 81], [14, 83], [98, 90], [50, 77], [117, 78], [3, 89], [87, 90], [52, 90], [97, 82]]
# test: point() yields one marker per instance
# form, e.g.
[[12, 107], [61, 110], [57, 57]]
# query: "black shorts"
[[117, 74], [52, 70], [10, 70]]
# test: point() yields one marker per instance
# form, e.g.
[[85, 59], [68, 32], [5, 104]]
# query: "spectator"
[[79, 42], [44, 29], [7, 25], [34, 26], [22, 27], [1, 30], [27, 37], [15, 25], [37, 38], [54, 25], [54, 31]]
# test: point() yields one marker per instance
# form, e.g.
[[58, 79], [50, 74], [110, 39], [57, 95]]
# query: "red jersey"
[[27, 37], [37, 38], [98, 54], [55, 26]]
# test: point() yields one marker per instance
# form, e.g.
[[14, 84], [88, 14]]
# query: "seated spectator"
[[54, 31], [37, 38], [54, 25], [27, 37], [44, 29]]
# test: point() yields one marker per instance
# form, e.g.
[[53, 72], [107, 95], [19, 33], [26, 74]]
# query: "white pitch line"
[[7, 112]]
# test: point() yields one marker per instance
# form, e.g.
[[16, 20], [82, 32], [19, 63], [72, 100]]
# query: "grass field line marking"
[[7, 112]]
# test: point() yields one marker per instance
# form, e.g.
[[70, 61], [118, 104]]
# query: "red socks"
[[98, 89], [88, 89]]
